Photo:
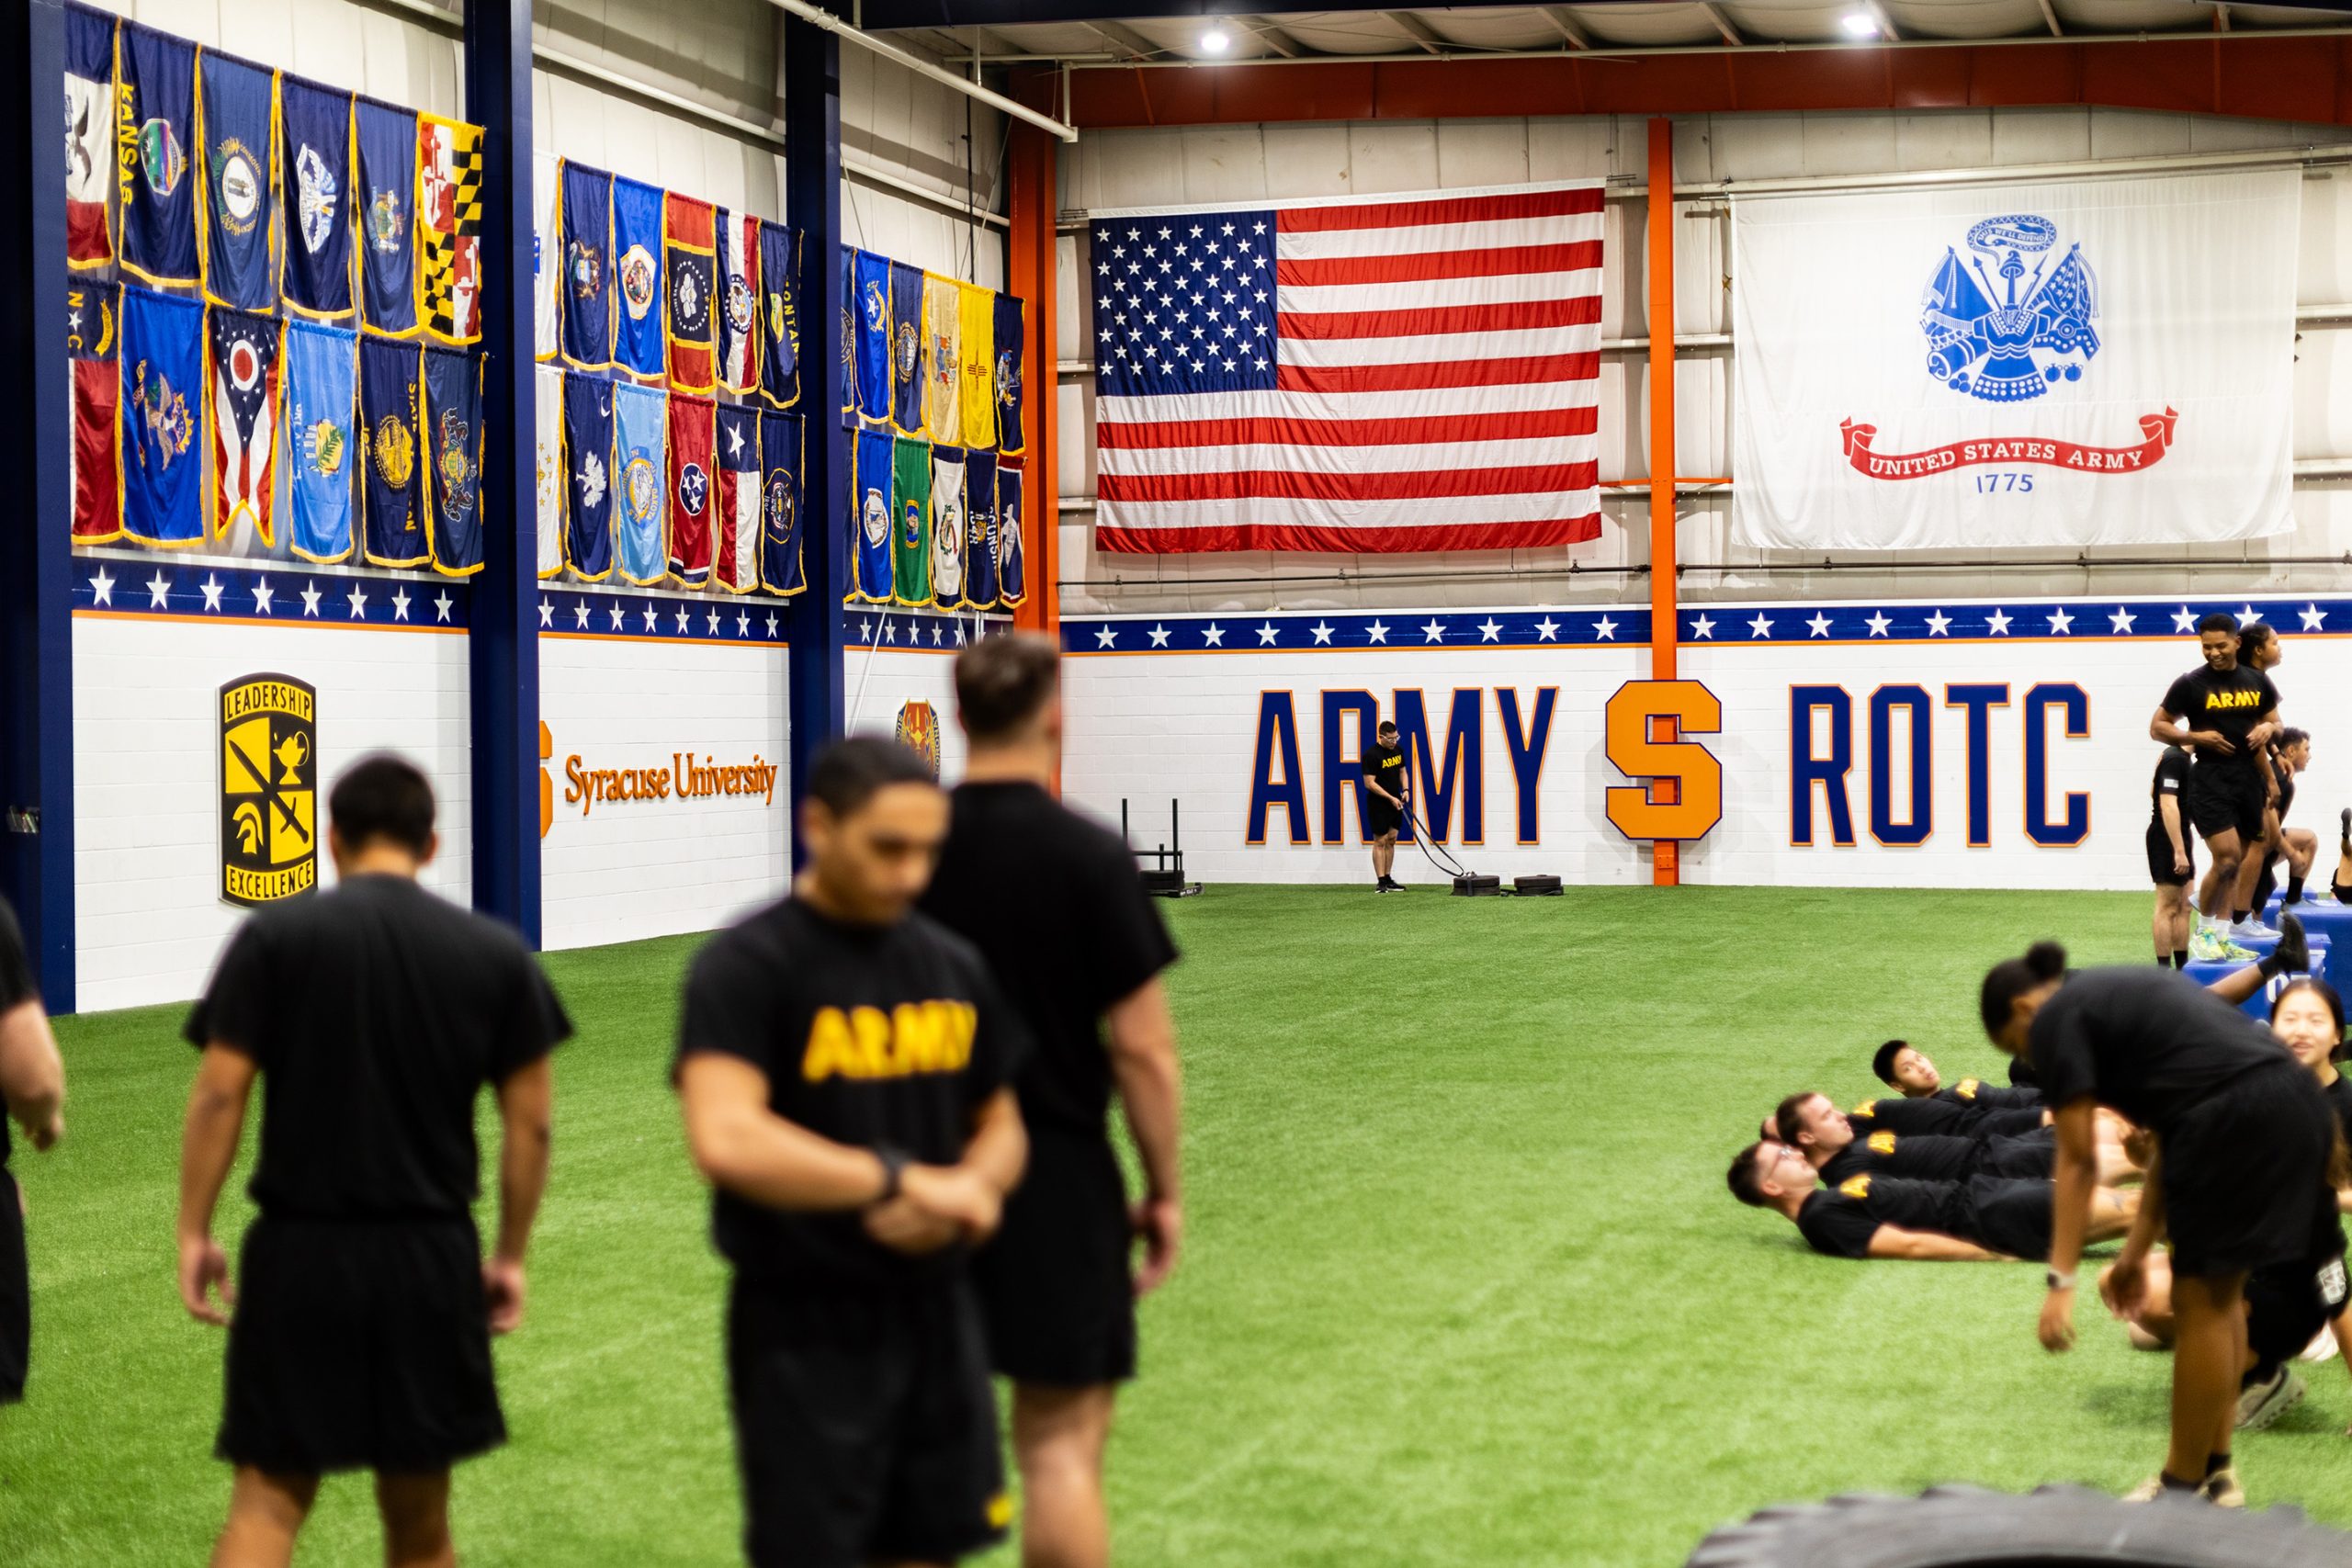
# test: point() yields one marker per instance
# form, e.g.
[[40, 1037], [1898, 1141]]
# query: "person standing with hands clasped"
[[1388, 783], [2246, 1146], [845, 1067]]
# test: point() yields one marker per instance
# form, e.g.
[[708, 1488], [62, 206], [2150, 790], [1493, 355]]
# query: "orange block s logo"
[[547, 785], [1646, 723]]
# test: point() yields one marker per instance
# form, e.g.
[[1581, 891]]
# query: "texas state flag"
[[738, 562]]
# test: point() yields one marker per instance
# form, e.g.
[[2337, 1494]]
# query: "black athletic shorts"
[[1379, 817], [2221, 798], [2288, 1303], [2245, 1173], [360, 1344], [2020, 1159], [2160, 871], [2010, 1215], [864, 1425], [15, 1293], [1054, 1286]]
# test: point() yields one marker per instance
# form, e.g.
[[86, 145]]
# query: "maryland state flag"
[[269, 811], [737, 560], [911, 522], [314, 128], [89, 135], [92, 310], [871, 481], [154, 129], [241, 354], [386, 141], [780, 507], [691, 489], [391, 416], [691, 269], [979, 531], [909, 351], [238, 213], [976, 332], [453, 476], [780, 314], [163, 360], [449, 216], [323, 445], [739, 301]]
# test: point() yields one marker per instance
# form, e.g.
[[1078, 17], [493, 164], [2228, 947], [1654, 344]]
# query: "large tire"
[[2058, 1526]]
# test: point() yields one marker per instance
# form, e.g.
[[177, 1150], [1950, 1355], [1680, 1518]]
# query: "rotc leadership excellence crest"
[[269, 750]]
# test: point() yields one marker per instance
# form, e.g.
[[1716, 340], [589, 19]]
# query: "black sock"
[[2163, 960], [2245, 914], [2215, 1464], [2294, 890], [2180, 959], [2174, 1483]]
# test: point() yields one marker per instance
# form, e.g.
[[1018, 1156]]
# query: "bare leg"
[[2250, 863], [265, 1513], [2221, 877], [1058, 1435], [416, 1519], [2208, 1351], [2302, 848], [1383, 853], [2169, 926]]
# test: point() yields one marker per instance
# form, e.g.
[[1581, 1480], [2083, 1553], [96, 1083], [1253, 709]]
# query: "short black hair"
[[1883, 1064], [1002, 681], [1785, 1119], [386, 797], [2013, 977], [1387, 727], [848, 774], [2253, 635], [2219, 621], [1746, 1184], [2291, 736]]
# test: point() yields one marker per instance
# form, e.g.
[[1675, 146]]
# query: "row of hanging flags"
[[935, 524], [932, 357]]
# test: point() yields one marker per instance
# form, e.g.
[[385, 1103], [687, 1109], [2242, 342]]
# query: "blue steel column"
[[503, 641], [36, 558], [817, 706]]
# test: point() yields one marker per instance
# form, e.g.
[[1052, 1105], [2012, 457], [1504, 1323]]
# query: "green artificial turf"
[[1464, 1283]]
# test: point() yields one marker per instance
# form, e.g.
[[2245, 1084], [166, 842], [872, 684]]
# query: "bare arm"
[[32, 1074], [1928, 1247], [216, 1118], [999, 1151], [526, 1131], [739, 1144], [1152, 1096], [2168, 807], [2166, 730], [2239, 983], [2075, 1168]]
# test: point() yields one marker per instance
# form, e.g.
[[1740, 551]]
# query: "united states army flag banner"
[[2078, 362]]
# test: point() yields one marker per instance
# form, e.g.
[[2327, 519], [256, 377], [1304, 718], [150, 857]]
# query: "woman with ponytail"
[[2239, 1180]]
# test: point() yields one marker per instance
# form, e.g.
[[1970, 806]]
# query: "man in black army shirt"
[[1388, 781], [2223, 712], [845, 1067], [32, 1082], [1985, 1218], [1836, 1148]]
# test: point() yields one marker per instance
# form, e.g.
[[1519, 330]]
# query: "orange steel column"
[[1665, 856], [1029, 208]]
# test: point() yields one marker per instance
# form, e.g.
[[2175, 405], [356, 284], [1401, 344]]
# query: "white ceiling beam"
[[1566, 23], [2221, 18], [1418, 32], [1885, 23], [1273, 37], [2050, 17], [1722, 24], [1125, 39]]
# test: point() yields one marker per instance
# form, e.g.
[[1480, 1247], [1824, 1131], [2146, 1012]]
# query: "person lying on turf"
[[1985, 1218], [1905, 1068], [1827, 1137]]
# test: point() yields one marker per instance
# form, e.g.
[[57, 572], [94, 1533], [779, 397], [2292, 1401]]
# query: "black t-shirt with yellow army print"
[[1908, 1118], [1387, 769], [869, 1035], [1920, 1157], [2230, 704], [1839, 1221], [1983, 1096]]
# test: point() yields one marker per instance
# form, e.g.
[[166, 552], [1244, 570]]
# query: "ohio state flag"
[[241, 385]]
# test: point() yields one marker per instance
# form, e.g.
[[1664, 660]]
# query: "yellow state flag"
[[978, 349], [944, 378]]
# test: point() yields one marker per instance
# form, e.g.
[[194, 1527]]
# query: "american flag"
[[1402, 373]]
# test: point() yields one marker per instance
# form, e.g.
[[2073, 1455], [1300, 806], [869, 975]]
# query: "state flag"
[[92, 310], [640, 439], [240, 387], [739, 301], [89, 135], [547, 246], [780, 504], [780, 314], [640, 344], [1010, 342], [910, 350], [587, 283], [947, 522], [1011, 574], [588, 477], [976, 333], [943, 383], [387, 141], [847, 334], [692, 488], [453, 477], [870, 580], [314, 131], [691, 269], [737, 559], [546, 413], [979, 531], [163, 357], [911, 522], [448, 226], [154, 128], [239, 210], [873, 319], [322, 446], [392, 418]]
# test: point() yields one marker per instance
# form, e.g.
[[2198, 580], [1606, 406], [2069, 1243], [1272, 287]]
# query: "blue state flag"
[[162, 399], [586, 287], [1011, 575], [871, 309], [907, 350], [780, 310], [391, 416], [638, 340], [846, 329], [386, 141], [154, 133], [640, 437], [314, 129], [239, 217], [780, 503], [321, 396], [453, 472], [979, 540], [588, 477], [869, 517], [1010, 374]]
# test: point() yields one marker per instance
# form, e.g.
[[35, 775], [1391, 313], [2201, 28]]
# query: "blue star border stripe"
[[1730, 624], [923, 630]]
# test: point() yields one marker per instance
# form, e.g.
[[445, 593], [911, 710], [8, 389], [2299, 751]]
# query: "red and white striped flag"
[[1390, 374]]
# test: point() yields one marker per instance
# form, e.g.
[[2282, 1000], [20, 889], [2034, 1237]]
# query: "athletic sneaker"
[[2261, 1404], [2294, 949], [2322, 1347], [2153, 1488], [2221, 1490], [2251, 930], [2207, 946]]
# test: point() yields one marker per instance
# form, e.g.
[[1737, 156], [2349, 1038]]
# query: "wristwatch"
[[894, 1166], [2053, 1279]]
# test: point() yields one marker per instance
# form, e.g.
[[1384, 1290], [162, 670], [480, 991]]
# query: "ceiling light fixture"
[[1217, 40], [1860, 24]]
